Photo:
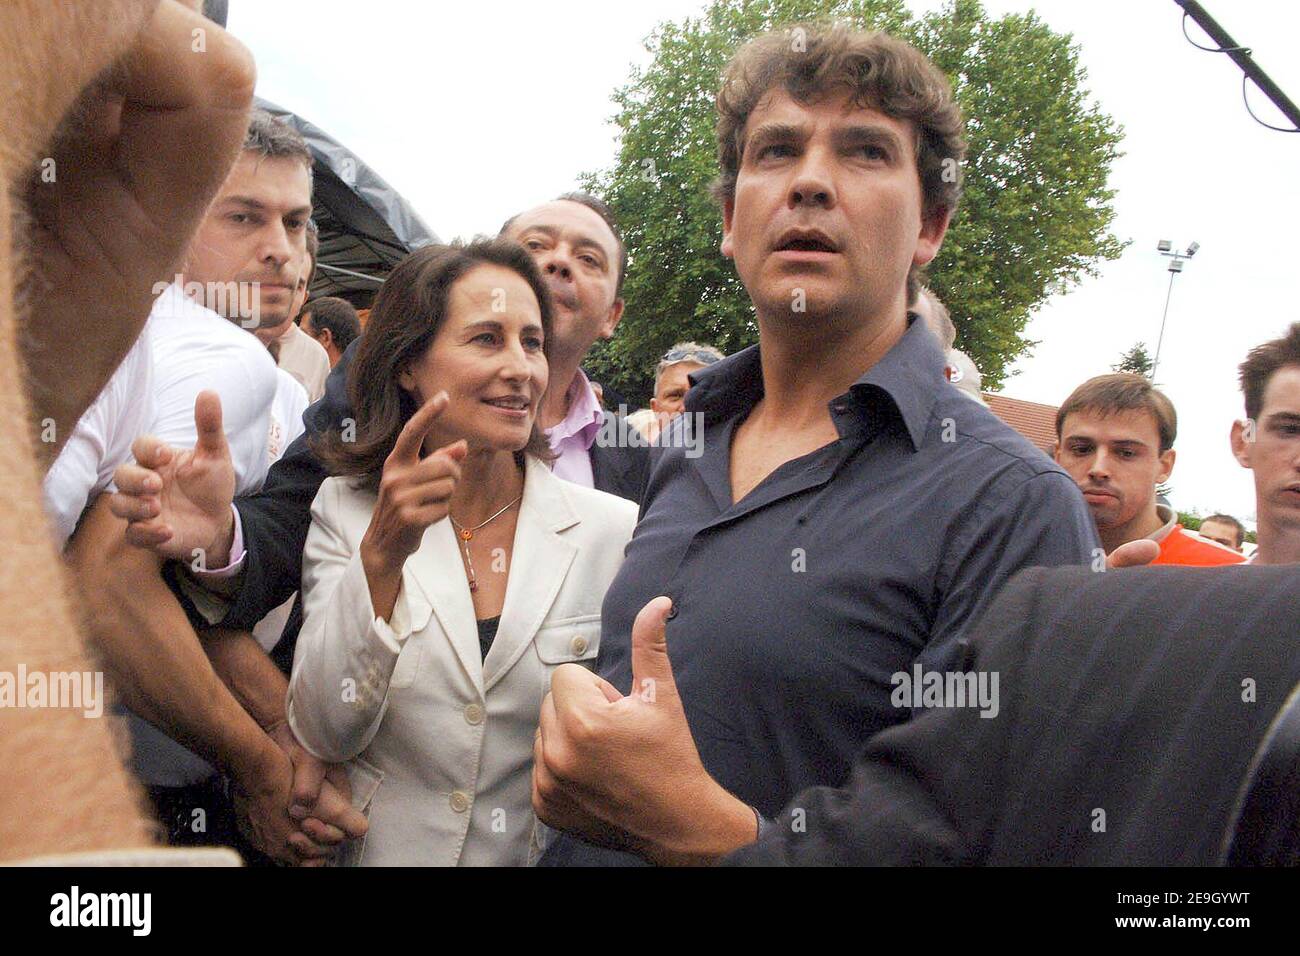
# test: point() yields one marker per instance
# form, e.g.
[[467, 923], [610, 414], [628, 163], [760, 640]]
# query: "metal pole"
[[325, 266], [1160, 341], [1241, 56]]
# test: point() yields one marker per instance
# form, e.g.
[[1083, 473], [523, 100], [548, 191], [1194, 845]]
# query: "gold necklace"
[[466, 534]]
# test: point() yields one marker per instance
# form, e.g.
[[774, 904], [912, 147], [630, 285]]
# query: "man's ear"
[[407, 381], [325, 337], [934, 227], [1056, 451], [1167, 464], [728, 215], [611, 320], [1240, 447]]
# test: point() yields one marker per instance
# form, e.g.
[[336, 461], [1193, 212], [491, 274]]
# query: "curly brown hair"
[[879, 71]]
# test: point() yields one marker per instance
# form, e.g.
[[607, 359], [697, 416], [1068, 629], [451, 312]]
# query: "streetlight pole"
[[1166, 248]]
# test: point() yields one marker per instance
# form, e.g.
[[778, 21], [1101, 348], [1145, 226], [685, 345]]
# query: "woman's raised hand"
[[414, 492]]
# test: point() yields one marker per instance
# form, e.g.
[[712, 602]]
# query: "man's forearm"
[[62, 784], [152, 652], [251, 675]]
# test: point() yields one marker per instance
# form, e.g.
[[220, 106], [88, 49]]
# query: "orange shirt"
[[1184, 547]]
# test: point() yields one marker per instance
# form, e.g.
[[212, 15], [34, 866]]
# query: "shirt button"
[[840, 408], [459, 801], [579, 645], [474, 714]]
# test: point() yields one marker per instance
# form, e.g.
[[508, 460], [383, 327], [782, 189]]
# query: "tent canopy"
[[365, 227]]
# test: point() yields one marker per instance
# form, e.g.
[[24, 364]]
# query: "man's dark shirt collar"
[[908, 376]]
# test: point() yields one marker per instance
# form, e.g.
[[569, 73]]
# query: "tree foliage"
[[1136, 360], [1034, 219]]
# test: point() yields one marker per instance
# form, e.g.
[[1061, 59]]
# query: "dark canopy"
[[365, 227]]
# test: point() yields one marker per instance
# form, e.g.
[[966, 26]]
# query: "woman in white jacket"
[[447, 572]]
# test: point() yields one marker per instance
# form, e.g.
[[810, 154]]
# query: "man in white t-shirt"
[[100, 441], [240, 274], [194, 350]]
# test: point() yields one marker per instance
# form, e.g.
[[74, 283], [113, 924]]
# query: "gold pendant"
[[466, 535]]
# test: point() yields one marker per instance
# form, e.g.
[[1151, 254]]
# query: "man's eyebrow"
[[868, 133], [248, 202], [581, 242], [767, 132], [1283, 418]]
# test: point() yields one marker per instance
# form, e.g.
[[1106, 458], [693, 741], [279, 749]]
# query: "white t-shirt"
[[195, 349], [286, 415], [101, 440]]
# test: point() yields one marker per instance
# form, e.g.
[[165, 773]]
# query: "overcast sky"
[[474, 111]]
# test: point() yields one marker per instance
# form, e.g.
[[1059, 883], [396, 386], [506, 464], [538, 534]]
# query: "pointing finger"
[[408, 444]]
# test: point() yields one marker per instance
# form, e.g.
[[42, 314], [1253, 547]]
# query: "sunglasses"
[[681, 355]]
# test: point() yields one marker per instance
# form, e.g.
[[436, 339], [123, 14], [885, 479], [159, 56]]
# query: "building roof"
[[1036, 422]]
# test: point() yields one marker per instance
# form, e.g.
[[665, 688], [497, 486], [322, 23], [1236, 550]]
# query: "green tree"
[[1136, 360], [1034, 219]]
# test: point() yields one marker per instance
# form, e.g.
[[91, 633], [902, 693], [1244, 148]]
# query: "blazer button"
[[473, 714], [459, 801], [579, 645]]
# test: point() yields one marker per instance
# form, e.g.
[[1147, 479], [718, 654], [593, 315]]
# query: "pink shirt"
[[571, 438]]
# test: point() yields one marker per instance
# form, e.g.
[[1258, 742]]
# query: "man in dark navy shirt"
[[851, 513]]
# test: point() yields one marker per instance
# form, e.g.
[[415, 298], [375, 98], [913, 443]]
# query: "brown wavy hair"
[[408, 312], [878, 71]]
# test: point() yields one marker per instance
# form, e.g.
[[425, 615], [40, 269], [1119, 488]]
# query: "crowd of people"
[[407, 595]]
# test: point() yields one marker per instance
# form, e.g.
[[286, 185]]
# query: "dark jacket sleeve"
[[1131, 705], [276, 519], [617, 467]]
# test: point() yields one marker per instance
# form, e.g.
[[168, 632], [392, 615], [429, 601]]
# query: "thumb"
[[1133, 554], [207, 422], [308, 775], [652, 671]]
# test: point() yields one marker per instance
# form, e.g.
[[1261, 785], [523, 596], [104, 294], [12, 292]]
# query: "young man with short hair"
[[1115, 436], [1225, 529], [1268, 443], [221, 701]]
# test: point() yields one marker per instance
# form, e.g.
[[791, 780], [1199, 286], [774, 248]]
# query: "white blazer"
[[439, 741]]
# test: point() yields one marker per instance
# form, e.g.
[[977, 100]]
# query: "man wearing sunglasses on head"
[[672, 382]]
